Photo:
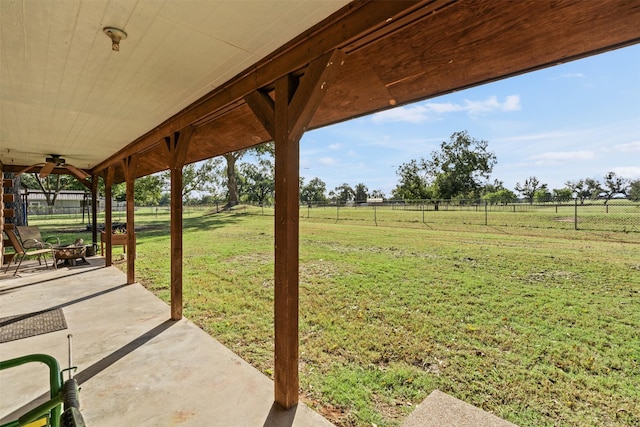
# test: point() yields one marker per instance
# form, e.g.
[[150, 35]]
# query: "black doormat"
[[31, 324]]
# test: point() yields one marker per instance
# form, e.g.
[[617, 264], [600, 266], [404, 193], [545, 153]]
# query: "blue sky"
[[572, 121]]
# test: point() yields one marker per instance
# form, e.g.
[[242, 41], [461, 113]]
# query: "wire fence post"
[[486, 213], [337, 210], [375, 216], [575, 217]]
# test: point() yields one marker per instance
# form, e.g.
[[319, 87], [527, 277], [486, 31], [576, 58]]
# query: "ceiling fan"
[[52, 162]]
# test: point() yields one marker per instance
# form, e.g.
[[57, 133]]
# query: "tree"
[[461, 166], [413, 182], [562, 195], [614, 185], [51, 185], [201, 177], [528, 189], [231, 174], [361, 192], [494, 187], [634, 190], [148, 190], [542, 195], [233, 197], [377, 194], [584, 189], [259, 180], [344, 193], [314, 191], [502, 196]]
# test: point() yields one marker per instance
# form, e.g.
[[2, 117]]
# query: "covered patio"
[[135, 366], [182, 82]]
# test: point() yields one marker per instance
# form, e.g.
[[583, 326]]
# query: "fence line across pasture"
[[616, 216]]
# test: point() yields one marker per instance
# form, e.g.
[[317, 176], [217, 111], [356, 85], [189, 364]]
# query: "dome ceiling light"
[[115, 34]]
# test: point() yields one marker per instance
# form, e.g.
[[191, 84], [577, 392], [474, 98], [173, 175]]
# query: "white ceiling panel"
[[62, 88]]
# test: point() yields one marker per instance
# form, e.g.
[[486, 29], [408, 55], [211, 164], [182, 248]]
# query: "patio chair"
[[32, 239], [21, 252]]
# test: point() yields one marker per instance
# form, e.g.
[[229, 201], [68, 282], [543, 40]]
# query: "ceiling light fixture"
[[115, 34]]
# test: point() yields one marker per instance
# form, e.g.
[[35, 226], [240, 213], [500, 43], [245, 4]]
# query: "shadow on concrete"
[[52, 279], [280, 417], [25, 316], [109, 360], [98, 367]]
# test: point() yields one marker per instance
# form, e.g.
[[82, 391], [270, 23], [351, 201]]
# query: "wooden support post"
[[177, 145], [108, 206], [286, 119], [176, 244], [287, 162], [129, 166], [94, 211]]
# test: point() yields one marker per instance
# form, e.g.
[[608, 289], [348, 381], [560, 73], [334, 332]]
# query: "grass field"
[[539, 326]]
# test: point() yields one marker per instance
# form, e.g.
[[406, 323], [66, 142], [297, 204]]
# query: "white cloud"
[[434, 111], [512, 103], [335, 146], [562, 156], [629, 172], [328, 161], [444, 107], [630, 147], [410, 114], [570, 76]]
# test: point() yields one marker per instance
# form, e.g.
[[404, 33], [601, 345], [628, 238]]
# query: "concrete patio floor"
[[135, 367], [138, 368]]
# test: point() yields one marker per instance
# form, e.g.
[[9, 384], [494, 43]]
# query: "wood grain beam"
[[108, 214], [312, 88], [264, 108], [285, 118], [177, 145], [94, 211], [129, 166], [286, 300]]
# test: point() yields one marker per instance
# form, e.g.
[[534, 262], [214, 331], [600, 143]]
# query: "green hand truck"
[[62, 395]]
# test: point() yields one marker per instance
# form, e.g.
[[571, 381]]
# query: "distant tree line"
[[460, 170]]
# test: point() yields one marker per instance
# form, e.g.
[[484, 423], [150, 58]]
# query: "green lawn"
[[539, 326]]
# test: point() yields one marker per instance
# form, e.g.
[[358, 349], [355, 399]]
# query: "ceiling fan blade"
[[77, 172], [28, 168], [46, 169]]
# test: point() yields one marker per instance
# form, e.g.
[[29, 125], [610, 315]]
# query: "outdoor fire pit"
[[69, 254]]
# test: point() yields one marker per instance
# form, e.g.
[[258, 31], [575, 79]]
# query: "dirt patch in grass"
[[551, 276]]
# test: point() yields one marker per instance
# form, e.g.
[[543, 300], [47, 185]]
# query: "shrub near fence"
[[615, 216]]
